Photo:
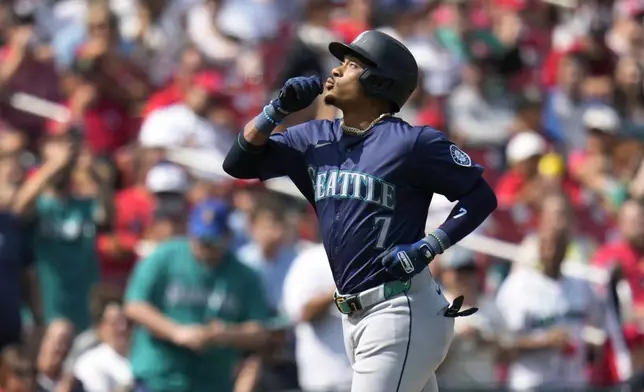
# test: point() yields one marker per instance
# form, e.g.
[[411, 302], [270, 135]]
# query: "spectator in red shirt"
[[627, 254], [191, 62], [148, 209], [520, 184]]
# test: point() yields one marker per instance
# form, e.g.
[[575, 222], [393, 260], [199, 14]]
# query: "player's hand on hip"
[[297, 93], [405, 261]]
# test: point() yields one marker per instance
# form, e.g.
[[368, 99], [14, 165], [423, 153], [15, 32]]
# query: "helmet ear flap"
[[376, 86], [375, 83]]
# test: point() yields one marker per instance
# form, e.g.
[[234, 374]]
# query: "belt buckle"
[[348, 304]]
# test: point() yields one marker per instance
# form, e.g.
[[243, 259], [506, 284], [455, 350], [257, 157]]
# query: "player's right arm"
[[260, 154]]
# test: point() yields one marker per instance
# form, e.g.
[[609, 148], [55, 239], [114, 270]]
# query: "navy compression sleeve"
[[244, 159], [468, 214]]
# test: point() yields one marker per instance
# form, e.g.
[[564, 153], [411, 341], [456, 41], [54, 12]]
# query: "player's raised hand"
[[297, 93], [405, 261]]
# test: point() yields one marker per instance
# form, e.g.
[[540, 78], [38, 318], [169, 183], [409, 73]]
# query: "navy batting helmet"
[[391, 72]]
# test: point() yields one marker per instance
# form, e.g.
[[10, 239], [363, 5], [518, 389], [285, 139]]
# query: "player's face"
[[343, 87]]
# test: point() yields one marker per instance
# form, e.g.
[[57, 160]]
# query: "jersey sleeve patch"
[[459, 156]]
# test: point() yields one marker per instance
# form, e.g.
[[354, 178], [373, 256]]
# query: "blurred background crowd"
[[547, 95]]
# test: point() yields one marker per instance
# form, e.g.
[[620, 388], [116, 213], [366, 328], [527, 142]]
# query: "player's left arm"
[[441, 167], [436, 165]]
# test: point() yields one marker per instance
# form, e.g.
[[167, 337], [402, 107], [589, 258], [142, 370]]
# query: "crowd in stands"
[[100, 291]]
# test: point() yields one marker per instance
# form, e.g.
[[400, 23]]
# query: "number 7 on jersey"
[[384, 222]]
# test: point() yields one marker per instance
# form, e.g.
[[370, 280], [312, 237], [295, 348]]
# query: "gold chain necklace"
[[357, 131]]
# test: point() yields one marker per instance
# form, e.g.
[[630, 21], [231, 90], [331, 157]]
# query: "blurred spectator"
[[65, 233], [563, 108], [55, 346], [520, 184], [17, 373], [207, 34], [159, 31], [355, 20], [629, 94], [479, 339], [244, 199], [18, 283], [625, 255], [267, 253], [270, 256], [478, 113], [196, 306], [593, 165], [190, 123], [308, 300], [101, 298], [25, 67], [546, 313], [146, 214], [105, 368], [190, 62]]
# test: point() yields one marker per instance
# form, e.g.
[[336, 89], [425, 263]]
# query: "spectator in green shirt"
[[65, 228], [197, 309]]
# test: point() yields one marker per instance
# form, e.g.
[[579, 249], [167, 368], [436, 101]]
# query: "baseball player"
[[371, 177]]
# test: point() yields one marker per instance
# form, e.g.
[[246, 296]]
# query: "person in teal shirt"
[[196, 307], [64, 232]]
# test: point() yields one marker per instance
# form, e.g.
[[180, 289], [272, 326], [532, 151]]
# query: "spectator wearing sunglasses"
[[196, 308]]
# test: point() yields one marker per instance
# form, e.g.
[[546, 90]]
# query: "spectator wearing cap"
[[478, 339], [520, 183], [593, 166], [65, 230], [196, 307], [190, 124], [158, 202]]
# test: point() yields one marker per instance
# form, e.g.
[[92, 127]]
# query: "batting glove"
[[297, 93], [405, 261]]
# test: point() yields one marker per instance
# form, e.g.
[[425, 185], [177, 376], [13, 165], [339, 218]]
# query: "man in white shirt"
[[547, 314], [105, 368], [190, 124], [308, 299]]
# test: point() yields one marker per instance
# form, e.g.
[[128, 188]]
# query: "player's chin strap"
[[454, 309]]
